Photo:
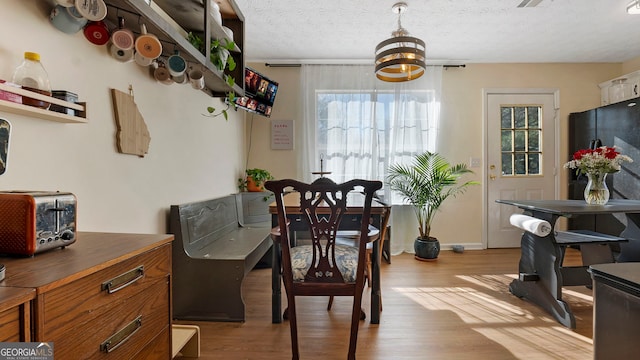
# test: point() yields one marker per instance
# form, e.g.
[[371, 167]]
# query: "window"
[[521, 137], [356, 130], [358, 125]]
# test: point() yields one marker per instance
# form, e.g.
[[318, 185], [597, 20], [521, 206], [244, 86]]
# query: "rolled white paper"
[[533, 225]]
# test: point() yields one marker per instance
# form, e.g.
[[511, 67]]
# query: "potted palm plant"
[[425, 184]]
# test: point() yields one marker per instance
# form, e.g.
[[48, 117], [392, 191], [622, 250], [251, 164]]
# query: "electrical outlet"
[[475, 162]]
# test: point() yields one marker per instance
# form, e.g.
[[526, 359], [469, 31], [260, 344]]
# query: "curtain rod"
[[282, 65], [276, 65]]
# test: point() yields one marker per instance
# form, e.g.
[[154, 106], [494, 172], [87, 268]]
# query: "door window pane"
[[534, 164], [507, 140], [519, 117], [520, 164], [505, 117], [507, 167], [521, 139], [534, 140], [533, 116]]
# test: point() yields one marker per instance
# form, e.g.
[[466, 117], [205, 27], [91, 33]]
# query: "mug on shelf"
[[176, 64], [122, 55], [97, 32], [67, 19], [92, 10], [196, 78], [123, 38], [148, 45], [162, 74], [66, 3], [142, 60], [180, 79]]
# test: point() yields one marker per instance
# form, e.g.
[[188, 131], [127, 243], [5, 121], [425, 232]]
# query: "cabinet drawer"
[[127, 336], [159, 348], [15, 314], [82, 300], [10, 322]]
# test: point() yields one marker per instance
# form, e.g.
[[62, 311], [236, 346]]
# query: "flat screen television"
[[259, 93]]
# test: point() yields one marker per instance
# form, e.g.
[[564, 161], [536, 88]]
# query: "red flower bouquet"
[[602, 160]]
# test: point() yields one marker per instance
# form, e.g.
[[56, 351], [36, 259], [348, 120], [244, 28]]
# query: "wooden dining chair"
[[323, 268], [351, 238]]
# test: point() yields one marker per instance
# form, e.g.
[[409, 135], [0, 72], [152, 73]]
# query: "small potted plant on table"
[[254, 180]]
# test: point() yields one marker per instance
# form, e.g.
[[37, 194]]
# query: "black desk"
[[541, 275], [351, 221]]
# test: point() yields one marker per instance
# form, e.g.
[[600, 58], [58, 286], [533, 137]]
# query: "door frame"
[[485, 144]]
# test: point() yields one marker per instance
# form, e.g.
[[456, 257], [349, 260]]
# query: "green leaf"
[[229, 45], [426, 184], [211, 109], [196, 41], [229, 80], [231, 63]]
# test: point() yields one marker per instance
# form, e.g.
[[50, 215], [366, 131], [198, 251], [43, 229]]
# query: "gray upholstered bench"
[[214, 249]]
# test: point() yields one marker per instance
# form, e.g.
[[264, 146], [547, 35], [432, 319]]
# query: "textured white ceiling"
[[456, 31]]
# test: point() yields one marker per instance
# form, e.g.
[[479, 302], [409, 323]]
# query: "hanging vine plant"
[[220, 57]]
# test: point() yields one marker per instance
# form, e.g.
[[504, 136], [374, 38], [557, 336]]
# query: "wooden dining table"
[[351, 221]]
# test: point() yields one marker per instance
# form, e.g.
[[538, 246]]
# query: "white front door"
[[521, 156]]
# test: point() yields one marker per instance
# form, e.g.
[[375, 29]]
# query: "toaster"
[[36, 221]]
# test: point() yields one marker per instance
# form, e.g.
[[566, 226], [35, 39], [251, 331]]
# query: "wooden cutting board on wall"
[[132, 136]]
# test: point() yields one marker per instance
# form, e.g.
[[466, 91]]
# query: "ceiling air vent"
[[529, 3]]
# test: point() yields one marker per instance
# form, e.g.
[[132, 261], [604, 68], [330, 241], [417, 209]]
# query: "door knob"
[[492, 177]]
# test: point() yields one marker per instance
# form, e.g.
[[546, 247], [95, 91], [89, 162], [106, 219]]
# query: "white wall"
[[191, 157]]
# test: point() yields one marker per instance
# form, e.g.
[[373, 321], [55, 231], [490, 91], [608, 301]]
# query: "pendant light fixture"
[[402, 57]]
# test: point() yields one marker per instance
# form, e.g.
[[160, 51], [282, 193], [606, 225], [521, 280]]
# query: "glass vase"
[[596, 192]]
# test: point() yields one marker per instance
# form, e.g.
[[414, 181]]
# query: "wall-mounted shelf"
[[171, 20], [25, 110]]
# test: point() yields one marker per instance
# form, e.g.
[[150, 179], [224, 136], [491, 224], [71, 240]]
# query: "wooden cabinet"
[[632, 81], [15, 314], [107, 296]]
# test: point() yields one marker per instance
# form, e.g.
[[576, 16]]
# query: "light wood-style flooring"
[[458, 307]]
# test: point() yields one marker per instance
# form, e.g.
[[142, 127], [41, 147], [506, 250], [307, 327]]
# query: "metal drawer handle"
[[121, 336], [122, 281]]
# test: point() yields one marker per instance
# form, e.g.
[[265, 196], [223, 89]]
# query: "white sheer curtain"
[[358, 125]]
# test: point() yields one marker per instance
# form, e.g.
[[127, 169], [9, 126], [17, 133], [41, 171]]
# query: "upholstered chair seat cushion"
[[346, 259]]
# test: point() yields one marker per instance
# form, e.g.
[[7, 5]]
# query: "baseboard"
[[467, 246]]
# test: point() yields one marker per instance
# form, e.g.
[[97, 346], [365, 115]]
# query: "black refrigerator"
[[613, 125]]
